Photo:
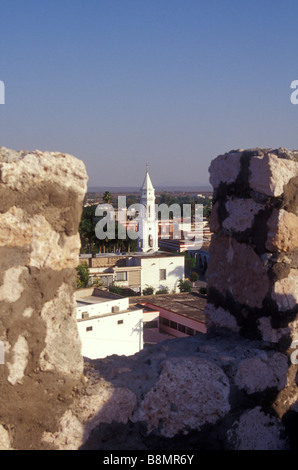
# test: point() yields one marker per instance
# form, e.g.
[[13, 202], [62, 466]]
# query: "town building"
[[148, 225], [148, 266], [171, 316], [110, 324], [137, 271], [107, 324]]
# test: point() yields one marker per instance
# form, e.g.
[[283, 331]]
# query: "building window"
[[121, 276], [190, 331], [164, 321], [120, 322], [162, 274], [150, 324], [89, 328]]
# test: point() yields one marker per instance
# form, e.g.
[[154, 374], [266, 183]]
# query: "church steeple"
[[148, 227], [147, 185]]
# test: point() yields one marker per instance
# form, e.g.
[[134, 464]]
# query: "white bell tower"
[[148, 226]]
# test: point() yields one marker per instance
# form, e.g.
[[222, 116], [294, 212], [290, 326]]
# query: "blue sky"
[[174, 83]]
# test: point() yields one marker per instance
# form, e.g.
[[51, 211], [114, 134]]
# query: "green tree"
[[89, 241], [148, 291], [115, 289], [107, 197], [190, 263], [82, 275], [194, 277], [184, 286], [162, 291]]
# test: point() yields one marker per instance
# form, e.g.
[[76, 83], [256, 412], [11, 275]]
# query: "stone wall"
[[41, 197], [207, 392], [253, 269], [232, 388]]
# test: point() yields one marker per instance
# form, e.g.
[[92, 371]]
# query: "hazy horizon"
[[190, 188]]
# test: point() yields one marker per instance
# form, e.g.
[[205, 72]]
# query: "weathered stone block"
[[285, 291], [241, 214], [257, 430], [270, 173], [236, 269], [225, 168], [189, 393], [221, 318], [270, 334], [262, 372], [41, 196], [282, 231]]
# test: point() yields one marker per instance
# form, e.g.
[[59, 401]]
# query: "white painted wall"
[[104, 334], [102, 307], [150, 274]]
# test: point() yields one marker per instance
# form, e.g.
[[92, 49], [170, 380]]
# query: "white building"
[[107, 325], [148, 226], [148, 267], [137, 271], [159, 270]]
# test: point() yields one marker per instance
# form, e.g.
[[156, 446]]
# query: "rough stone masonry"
[[41, 196], [232, 388], [253, 271]]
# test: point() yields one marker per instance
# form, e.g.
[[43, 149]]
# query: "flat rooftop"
[[92, 295], [190, 305], [132, 254], [91, 299]]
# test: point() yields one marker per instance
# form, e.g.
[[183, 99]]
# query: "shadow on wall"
[[129, 379], [178, 271], [126, 381]]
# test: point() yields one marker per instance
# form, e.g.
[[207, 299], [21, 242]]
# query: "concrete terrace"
[[190, 305]]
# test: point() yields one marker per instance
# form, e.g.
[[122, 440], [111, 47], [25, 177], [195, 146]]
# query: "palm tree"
[[107, 197]]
